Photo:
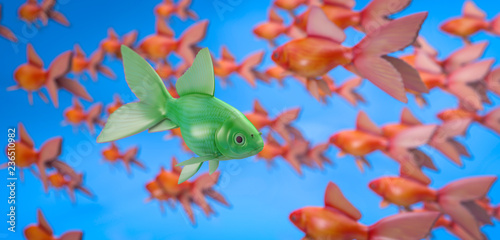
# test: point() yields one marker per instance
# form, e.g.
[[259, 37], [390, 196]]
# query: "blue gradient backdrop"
[[261, 198]]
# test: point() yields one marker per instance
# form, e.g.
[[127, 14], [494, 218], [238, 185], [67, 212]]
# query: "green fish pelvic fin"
[[149, 112]]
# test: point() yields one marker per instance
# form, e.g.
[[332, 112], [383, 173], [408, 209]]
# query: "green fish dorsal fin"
[[199, 78]]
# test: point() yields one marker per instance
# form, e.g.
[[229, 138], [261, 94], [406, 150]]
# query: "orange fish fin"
[[33, 57], [334, 198], [257, 107], [24, 137], [365, 124], [43, 223], [470, 9], [318, 25], [407, 117]]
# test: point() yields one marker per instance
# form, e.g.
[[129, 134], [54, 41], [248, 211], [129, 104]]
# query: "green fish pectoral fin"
[[129, 119], [213, 165], [194, 160], [199, 78], [188, 171], [164, 125]]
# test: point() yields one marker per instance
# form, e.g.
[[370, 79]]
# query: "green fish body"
[[211, 128]]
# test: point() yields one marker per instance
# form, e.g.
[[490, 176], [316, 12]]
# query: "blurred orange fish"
[[27, 155], [158, 46], [321, 51], [347, 90], [117, 102], [455, 199], [31, 11], [368, 138], [5, 32], [472, 21], [275, 27], [93, 65], [112, 154], [111, 45], [167, 8], [490, 120], [32, 77], [292, 152], [454, 61], [463, 82], [443, 139], [43, 231], [76, 115], [165, 187], [227, 65], [338, 219], [341, 12], [281, 124], [70, 181]]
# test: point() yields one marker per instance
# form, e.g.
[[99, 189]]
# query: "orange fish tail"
[[247, 69], [495, 25], [410, 225], [492, 120], [390, 74], [456, 200], [186, 46]]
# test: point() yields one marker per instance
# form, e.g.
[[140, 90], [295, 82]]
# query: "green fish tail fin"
[[150, 112]]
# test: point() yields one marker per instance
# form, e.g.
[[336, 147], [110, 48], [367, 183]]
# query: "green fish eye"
[[239, 139]]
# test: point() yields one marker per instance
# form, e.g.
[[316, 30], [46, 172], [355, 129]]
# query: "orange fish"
[[165, 187], [5, 32], [455, 199], [281, 124], [472, 21], [31, 11], [443, 139], [347, 90], [117, 102], [112, 154], [275, 27], [321, 51], [278, 73], [43, 231], [490, 120], [76, 115], [292, 152], [27, 155], [167, 8], [227, 65], [32, 77], [69, 180], [454, 61], [158, 46], [367, 138], [111, 45], [340, 12], [338, 219], [464, 82], [93, 65]]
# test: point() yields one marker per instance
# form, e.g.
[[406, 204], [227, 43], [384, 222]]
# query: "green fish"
[[211, 128]]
